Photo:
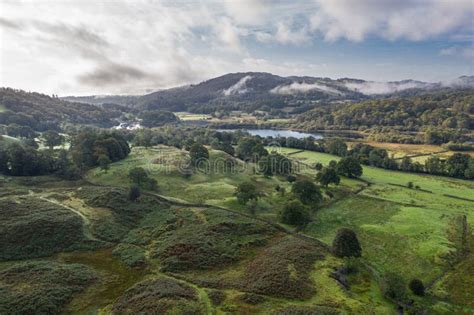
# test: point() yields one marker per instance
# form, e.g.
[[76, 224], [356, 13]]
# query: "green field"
[[401, 227], [223, 260]]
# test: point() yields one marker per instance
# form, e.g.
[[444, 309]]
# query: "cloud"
[[61, 47], [111, 73], [373, 88], [239, 87], [285, 34], [10, 24], [247, 12], [462, 51], [302, 87], [390, 19]]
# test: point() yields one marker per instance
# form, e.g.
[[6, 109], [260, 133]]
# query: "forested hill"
[[251, 91], [444, 111], [42, 112]]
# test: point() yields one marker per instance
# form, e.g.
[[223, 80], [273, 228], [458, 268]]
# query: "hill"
[[251, 91], [42, 112]]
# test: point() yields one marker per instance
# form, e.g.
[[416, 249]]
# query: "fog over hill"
[[265, 88]]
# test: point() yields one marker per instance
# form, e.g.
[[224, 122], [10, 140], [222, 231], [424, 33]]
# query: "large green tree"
[[294, 213], [307, 192], [245, 192], [327, 176], [350, 167]]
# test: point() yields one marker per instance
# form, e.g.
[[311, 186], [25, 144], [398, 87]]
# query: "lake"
[[276, 133]]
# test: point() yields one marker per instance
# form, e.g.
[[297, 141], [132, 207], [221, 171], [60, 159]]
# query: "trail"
[[86, 222]]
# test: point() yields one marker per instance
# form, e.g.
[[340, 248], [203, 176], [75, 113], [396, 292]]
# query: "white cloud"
[[247, 12], [301, 87], [373, 88], [124, 46], [238, 88], [390, 19], [463, 51]]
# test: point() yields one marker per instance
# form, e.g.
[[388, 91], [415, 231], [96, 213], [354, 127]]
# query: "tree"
[[104, 162], [349, 167], [318, 166], [327, 176], [294, 213], [246, 191], [434, 165], [336, 146], [155, 118], [469, 172], [346, 244], [138, 175], [406, 165], [457, 164], [52, 139], [307, 192], [417, 287], [198, 154], [250, 149], [134, 193]]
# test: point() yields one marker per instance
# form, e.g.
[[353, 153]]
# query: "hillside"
[[251, 91], [42, 112]]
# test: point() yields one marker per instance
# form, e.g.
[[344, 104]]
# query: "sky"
[[135, 47]]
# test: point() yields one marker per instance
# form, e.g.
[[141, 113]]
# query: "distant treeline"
[[88, 148], [458, 165]]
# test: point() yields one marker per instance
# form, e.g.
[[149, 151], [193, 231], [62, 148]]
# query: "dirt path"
[[86, 227]]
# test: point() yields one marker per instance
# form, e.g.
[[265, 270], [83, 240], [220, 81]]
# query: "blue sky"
[[131, 47]]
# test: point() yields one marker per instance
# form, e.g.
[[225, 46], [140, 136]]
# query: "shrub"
[[291, 178], [307, 192], [417, 287], [346, 244], [393, 286], [410, 185], [156, 296], [131, 255], [246, 191], [294, 213], [37, 228], [42, 287], [134, 193], [282, 270], [216, 297]]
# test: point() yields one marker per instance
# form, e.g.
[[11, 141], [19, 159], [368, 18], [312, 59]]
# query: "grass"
[[397, 226]]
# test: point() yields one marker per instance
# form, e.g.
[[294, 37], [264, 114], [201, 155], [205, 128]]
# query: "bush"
[[130, 255], [307, 192], [134, 193], [156, 296], [410, 185], [216, 297], [42, 287], [346, 244], [37, 228], [417, 287], [246, 191], [282, 270], [394, 287], [294, 213]]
